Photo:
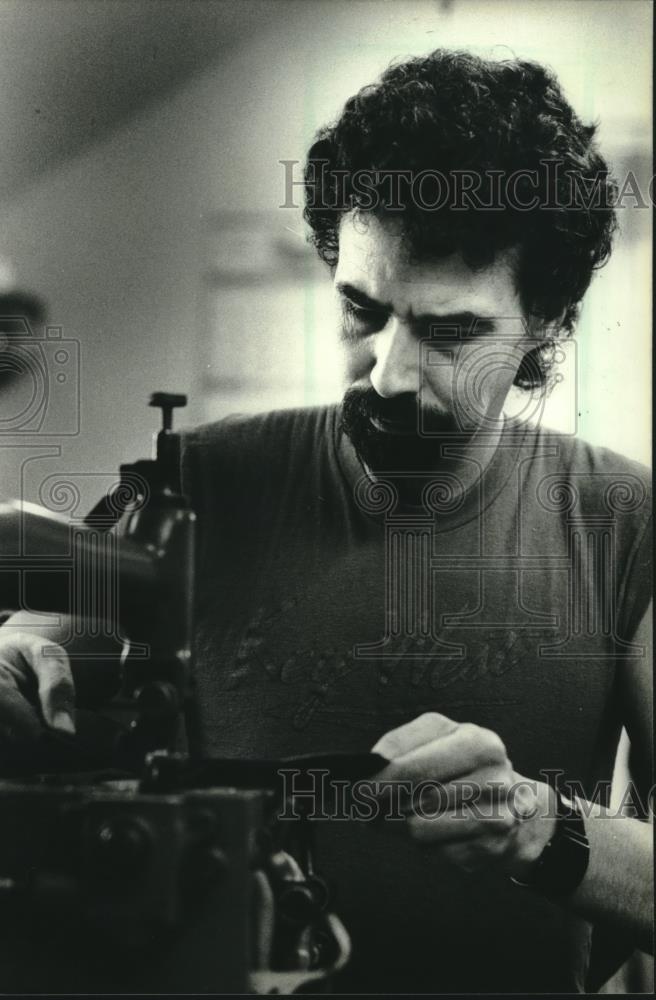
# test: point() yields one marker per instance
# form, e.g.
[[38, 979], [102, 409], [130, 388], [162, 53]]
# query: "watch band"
[[564, 861]]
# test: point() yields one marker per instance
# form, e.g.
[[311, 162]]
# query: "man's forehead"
[[373, 258]]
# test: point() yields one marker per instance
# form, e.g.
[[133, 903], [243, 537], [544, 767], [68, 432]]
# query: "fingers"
[[472, 831], [27, 659], [56, 689], [457, 790], [444, 828], [473, 854], [458, 836], [419, 731], [437, 819], [457, 751], [483, 798], [482, 794]]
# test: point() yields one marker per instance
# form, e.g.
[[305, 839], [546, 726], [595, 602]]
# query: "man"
[[412, 571]]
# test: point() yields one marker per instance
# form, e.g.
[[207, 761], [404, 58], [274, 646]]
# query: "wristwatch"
[[564, 861]]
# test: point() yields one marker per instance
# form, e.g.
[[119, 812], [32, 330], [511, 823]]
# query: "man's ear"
[[538, 334], [538, 330]]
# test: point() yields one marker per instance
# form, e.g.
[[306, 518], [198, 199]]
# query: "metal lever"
[[167, 402], [167, 443]]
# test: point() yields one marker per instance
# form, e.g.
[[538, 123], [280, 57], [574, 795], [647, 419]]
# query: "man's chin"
[[394, 436], [386, 453], [395, 429]]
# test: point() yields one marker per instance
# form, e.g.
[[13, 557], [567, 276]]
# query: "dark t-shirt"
[[328, 614]]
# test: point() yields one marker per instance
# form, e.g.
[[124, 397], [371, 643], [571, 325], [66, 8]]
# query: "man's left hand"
[[467, 801]]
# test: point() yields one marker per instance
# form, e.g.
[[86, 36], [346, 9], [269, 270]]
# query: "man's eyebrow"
[[460, 320]]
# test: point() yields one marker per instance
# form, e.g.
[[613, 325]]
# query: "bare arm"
[[510, 830], [619, 883]]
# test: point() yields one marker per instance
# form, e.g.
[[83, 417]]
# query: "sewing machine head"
[[164, 871]]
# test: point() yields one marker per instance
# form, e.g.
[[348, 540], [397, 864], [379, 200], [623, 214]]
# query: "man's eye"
[[361, 317]]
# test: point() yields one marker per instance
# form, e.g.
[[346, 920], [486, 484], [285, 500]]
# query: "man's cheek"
[[481, 378], [443, 390], [357, 365]]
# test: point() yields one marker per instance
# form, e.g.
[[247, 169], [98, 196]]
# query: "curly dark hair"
[[451, 112]]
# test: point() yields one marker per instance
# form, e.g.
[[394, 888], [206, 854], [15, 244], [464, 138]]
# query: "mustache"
[[404, 410], [396, 435]]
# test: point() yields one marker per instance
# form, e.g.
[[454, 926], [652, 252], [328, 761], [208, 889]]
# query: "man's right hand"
[[55, 681], [48, 672], [36, 687]]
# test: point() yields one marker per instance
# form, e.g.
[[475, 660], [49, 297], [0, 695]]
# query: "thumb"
[[414, 734], [55, 685]]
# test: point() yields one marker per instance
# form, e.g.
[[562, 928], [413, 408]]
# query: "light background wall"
[[118, 240]]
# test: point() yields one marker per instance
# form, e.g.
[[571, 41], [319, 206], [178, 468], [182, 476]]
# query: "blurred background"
[[141, 185], [143, 245]]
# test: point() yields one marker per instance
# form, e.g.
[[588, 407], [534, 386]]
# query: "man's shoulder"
[[259, 430], [579, 455], [576, 455], [592, 473], [248, 451]]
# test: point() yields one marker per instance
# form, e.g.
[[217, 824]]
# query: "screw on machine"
[[167, 402]]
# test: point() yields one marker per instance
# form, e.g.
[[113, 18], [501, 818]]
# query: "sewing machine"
[[139, 865]]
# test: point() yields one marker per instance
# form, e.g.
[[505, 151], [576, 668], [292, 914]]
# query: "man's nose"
[[396, 360]]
